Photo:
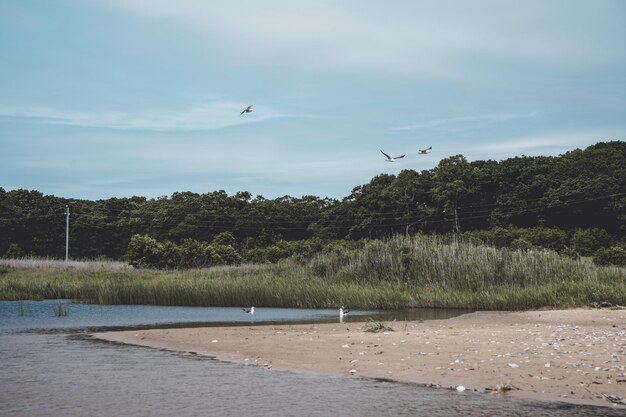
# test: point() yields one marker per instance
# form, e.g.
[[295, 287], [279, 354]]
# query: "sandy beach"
[[576, 356]]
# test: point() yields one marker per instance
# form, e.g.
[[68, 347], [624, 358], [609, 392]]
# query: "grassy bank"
[[418, 271], [259, 285]]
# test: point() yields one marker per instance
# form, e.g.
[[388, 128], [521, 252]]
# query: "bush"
[[545, 237], [521, 238], [571, 253], [282, 249], [586, 242], [225, 254], [497, 237], [522, 244], [146, 252], [615, 255], [196, 254], [13, 252], [224, 238]]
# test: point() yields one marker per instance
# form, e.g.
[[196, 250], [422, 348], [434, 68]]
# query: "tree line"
[[574, 203]]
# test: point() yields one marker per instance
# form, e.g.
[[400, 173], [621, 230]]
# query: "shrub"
[[615, 255], [283, 249], [586, 242], [225, 254], [13, 252], [144, 251], [196, 254], [498, 237], [224, 238], [545, 237], [571, 253], [522, 244]]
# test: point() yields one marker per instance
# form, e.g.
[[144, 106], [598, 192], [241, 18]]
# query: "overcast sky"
[[114, 98]]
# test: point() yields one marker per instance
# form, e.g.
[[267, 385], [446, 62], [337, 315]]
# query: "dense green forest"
[[574, 204]]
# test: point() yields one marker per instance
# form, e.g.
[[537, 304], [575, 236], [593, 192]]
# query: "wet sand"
[[576, 356]]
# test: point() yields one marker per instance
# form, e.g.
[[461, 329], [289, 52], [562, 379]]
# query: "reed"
[[45, 263], [421, 271], [450, 263]]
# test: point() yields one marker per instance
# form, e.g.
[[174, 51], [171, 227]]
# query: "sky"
[[116, 98]]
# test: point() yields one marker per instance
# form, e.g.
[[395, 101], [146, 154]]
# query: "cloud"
[[468, 122], [548, 143], [428, 38], [211, 116]]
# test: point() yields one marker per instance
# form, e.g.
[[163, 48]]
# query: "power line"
[[239, 220], [131, 212], [431, 219]]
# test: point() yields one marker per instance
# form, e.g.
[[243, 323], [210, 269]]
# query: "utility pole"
[[67, 232]]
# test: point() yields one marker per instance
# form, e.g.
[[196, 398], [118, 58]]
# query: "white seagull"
[[390, 159], [425, 151], [248, 310], [247, 110]]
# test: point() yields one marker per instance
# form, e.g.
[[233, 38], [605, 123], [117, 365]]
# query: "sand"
[[576, 356]]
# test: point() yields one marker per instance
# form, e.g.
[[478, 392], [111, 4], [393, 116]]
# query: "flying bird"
[[425, 151], [248, 310], [247, 110], [390, 159]]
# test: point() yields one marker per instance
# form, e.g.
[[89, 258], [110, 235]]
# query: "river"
[[49, 366]]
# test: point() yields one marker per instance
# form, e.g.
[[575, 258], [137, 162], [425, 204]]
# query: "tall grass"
[[446, 272], [450, 263], [262, 285], [418, 271], [44, 263]]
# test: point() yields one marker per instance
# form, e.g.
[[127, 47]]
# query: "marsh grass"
[[46, 263], [421, 271]]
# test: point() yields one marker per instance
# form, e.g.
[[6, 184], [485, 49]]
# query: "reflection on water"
[[63, 314], [55, 314], [65, 373]]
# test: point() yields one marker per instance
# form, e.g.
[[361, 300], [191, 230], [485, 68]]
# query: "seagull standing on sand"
[[390, 159], [247, 110], [425, 151], [248, 310]]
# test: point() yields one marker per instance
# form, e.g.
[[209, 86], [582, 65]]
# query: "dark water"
[[64, 373]]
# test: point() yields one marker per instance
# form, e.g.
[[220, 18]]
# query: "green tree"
[[452, 186]]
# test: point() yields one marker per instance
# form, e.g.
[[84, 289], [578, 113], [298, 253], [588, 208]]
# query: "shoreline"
[[576, 356]]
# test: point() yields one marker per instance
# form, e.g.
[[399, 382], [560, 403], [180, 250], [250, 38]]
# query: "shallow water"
[[65, 373], [63, 314]]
